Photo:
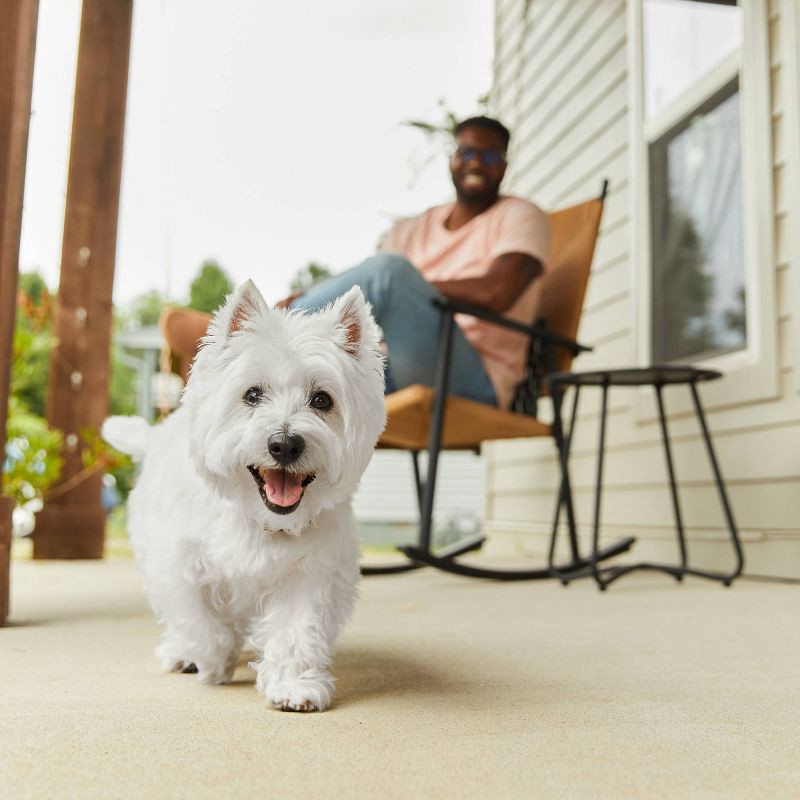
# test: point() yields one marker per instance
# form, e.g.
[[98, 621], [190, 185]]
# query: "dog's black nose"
[[285, 448]]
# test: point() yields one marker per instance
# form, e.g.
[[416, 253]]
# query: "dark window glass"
[[698, 294]]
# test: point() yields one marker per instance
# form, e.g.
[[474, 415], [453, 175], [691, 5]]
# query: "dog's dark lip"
[[254, 471]]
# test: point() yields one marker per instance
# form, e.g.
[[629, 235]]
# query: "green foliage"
[[447, 118], [146, 308], [96, 455], [33, 286], [209, 288], [33, 461], [309, 275], [124, 474], [32, 342], [32, 449], [33, 454], [123, 385], [445, 124], [30, 363]]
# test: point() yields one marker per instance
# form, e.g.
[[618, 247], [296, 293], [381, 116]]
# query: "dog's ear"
[[352, 320], [243, 304]]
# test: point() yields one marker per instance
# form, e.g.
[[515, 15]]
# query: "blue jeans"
[[401, 304]]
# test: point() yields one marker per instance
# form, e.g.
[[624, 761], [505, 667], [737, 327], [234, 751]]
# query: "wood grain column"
[[72, 525], [17, 45]]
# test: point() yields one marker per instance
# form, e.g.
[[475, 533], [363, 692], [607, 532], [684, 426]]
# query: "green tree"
[[146, 308], [123, 383], [309, 275], [32, 449], [33, 340], [210, 287], [33, 285]]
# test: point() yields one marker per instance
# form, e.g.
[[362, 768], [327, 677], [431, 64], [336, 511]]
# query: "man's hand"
[[507, 277], [287, 300]]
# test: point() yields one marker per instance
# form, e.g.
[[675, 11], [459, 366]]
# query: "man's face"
[[478, 164]]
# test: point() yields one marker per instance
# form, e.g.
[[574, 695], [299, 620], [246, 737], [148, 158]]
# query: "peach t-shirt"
[[511, 225]]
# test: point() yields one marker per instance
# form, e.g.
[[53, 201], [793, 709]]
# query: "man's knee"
[[391, 266]]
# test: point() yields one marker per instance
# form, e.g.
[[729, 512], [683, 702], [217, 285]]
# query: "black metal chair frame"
[[657, 377], [542, 361]]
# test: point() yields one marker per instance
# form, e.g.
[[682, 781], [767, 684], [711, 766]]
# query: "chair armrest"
[[534, 331]]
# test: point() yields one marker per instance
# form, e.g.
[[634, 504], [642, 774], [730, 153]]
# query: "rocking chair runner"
[[425, 418]]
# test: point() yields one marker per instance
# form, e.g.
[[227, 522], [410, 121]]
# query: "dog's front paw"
[[312, 690], [305, 705]]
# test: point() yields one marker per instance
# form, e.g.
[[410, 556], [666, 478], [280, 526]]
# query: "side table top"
[[635, 376]]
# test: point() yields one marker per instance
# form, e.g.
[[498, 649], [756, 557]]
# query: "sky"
[[259, 133]]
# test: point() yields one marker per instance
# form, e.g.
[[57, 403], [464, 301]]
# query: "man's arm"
[[505, 280]]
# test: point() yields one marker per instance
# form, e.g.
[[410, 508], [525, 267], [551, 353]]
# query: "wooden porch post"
[[17, 46], [72, 525]]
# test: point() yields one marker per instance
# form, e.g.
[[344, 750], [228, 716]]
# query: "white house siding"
[[387, 493], [561, 82]]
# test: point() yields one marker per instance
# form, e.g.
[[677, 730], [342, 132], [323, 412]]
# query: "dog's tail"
[[128, 434]]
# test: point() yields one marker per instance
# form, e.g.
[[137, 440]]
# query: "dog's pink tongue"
[[283, 488]]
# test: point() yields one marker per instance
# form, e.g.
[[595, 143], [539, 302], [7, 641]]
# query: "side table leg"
[[563, 444], [579, 566], [601, 446], [734, 534], [672, 483]]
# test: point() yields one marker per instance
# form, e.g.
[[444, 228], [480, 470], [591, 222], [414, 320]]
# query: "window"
[[702, 207], [692, 110]]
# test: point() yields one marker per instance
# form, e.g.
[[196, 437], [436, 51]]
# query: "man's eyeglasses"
[[489, 158]]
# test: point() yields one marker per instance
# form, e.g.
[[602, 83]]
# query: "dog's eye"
[[253, 395], [321, 401]]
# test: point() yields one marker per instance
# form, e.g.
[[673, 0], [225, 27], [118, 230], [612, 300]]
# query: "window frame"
[[751, 374], [790, 68]]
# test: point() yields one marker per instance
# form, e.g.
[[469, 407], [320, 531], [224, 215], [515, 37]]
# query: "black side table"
[[657, 377]]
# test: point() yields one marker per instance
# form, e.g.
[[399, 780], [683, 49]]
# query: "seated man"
[[484, 248]]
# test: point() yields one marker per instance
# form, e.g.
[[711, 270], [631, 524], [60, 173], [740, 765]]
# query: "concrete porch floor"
[[446, 688]]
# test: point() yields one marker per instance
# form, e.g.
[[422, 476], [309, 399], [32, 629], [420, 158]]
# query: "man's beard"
[[477, 197]]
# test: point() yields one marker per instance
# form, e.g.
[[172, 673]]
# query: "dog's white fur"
[[221, 569]]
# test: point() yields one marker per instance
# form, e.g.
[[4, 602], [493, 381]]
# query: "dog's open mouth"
[[280, 489]]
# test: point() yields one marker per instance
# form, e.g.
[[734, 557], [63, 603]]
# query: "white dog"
[[240, 520]]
